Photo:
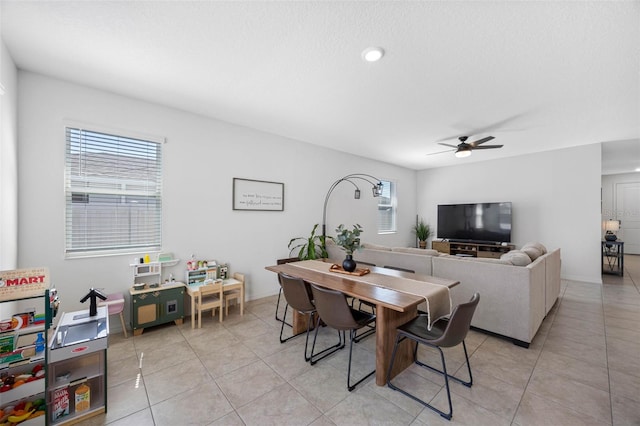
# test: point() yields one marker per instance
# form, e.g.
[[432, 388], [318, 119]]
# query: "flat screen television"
[[478, 222]]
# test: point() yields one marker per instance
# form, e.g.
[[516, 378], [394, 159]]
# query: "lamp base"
[[610, 237]]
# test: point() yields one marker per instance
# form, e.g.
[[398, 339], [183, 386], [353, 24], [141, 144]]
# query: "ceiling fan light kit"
[[462, 153], [463, 149]]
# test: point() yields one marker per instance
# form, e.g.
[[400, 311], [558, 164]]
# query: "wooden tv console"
[[472, 249]]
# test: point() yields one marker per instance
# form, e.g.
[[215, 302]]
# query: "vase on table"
[[348, 264]]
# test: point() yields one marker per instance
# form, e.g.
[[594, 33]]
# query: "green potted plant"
[[311, 247], [349, 241], [423, 232]]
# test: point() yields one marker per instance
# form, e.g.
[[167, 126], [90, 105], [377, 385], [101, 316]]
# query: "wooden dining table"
[[393, 307]]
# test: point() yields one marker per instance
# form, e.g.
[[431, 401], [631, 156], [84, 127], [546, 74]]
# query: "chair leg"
[[307, 358], [399, 339], [371, 328], [283, 321], [447, 376], [295, 335], [364, 334], [467, 384], [278, 305], [328, 351], [124, 327], [278, 308], [286, 307], [350, 387], [373, 309]]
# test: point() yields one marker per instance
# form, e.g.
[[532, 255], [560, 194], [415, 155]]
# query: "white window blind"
[[387, 208], [113, 190]]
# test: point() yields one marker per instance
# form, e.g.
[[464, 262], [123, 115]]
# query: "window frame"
[[78, 186], [393, 205]]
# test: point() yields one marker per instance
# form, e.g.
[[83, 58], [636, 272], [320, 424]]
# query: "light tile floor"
[[583, 368]]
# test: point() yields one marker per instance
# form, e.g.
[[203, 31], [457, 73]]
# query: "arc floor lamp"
[[376, 189]]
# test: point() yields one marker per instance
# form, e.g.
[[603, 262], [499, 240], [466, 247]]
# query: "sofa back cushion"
[[534, 250], [489, 260], [517, 258], [375, 247], [413, 250]]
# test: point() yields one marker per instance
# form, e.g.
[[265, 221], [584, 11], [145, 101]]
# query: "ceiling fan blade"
[[446, 144], [442, 152], [483, 140], [488, 147]]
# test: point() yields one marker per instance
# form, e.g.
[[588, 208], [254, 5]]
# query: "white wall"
[[8, 161], [555, 196], [201, 157]]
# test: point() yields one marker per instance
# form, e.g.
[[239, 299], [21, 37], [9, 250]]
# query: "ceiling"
[[536, 75]]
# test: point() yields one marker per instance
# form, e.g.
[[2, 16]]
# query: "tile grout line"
[[208, 373], [141, 377], [557, 307], [606, 352]]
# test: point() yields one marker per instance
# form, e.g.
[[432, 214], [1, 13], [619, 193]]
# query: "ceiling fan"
[[463, 149]]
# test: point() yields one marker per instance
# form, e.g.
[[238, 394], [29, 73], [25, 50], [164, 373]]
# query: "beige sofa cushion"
[[414, 250], [375, 246], [534, 249], [517, 258], [532, 252], [490, 260]]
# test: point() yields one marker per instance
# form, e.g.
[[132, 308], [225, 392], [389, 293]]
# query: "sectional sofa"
[[516, 291]]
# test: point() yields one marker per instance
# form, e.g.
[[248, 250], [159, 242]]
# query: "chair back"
[[206, 291], [211, 274], [333, 308], [296, 292], [459, 323], [239, 276]]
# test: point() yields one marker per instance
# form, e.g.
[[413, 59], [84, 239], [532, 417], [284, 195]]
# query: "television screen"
[[480, 222]]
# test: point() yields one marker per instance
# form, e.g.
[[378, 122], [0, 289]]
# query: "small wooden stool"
[[115, 305]]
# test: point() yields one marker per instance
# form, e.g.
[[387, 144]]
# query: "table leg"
[[193, 312], [387, 320], [242, 299], [299, 323]]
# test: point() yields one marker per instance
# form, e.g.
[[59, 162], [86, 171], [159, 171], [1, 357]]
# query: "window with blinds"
[[387, 208], [113, 190]]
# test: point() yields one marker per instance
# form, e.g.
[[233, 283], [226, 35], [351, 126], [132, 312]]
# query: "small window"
[[113, 191], [387, 208]]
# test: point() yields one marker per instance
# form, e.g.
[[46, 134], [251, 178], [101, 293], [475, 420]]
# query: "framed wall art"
[[258, 195]]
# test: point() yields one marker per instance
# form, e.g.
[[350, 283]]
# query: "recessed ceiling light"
[[372, 54], [637, 169]]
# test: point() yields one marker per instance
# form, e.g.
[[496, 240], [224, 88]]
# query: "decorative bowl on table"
[[139, 286]]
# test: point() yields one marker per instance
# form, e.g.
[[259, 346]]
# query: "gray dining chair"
[[336, 313], [371, 328], [298, 296], [443, 334], [282, 262]]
